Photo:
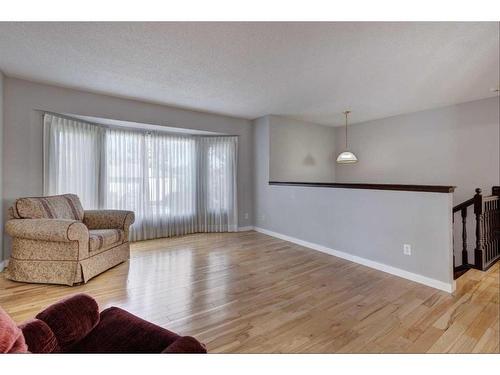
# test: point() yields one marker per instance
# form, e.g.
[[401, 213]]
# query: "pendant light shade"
[[347, 156]]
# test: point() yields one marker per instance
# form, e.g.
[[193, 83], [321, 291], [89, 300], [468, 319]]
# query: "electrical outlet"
[[246, 215], [406, 249]]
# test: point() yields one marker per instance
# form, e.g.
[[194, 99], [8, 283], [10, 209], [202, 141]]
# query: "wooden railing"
[[487, 228]]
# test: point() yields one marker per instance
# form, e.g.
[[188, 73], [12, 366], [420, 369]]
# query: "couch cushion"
[[102, 239], [65, 206]]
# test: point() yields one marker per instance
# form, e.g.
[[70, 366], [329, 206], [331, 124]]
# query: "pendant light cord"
[[346, 113]]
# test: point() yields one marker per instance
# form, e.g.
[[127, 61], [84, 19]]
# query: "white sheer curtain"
[[72, 155], [174, 184], [155, 176], [216, 196]]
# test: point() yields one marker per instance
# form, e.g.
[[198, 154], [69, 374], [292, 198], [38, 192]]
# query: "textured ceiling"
[[308, 71]]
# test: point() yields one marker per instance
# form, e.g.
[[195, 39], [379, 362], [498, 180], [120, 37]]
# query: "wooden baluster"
[[496, 228], [453, 238], [486, 232], [465, 257], [490, 230], [478, 211]]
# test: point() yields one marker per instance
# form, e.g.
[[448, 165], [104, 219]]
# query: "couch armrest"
[[119, 331], [108, 219], [185, 344], [39, 337], [71, 319], [56, 230]]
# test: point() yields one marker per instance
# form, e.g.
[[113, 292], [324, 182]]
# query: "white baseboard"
[[3, 264], [245, 229], [365, 262]]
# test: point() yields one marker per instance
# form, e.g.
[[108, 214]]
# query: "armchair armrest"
[[57, 230], [108, 219]]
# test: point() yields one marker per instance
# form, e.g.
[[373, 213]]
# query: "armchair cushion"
[[66, 206], [108, 219], [102, 239], [56, 230]]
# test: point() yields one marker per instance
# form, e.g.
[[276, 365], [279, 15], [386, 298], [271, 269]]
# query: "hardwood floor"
[[250, 293]]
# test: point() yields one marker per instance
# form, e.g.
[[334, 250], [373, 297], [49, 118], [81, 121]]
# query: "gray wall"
[[301, 151], [23, 154], [456, 145], [370, 224], [1, 154]]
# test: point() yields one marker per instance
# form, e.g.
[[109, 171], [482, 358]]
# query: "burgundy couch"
[[74, 325]]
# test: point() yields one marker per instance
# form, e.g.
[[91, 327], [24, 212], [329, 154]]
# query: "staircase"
[[487, 228]]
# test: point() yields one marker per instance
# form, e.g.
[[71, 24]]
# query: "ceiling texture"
[[307, 71]]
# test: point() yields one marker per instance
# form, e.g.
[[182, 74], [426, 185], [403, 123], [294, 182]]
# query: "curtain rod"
[[132, 129]]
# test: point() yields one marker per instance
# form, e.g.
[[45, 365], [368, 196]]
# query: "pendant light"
[[347, 156]]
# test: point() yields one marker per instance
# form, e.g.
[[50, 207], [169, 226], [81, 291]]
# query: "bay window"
[[175, 184]]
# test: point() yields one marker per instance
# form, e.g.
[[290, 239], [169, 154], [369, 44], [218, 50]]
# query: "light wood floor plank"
[[250, 293]]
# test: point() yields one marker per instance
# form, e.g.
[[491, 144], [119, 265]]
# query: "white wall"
[[301, 151], [23, 153], [365, 225]]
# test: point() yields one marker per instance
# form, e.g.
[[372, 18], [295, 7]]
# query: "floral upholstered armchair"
[[56, 241]]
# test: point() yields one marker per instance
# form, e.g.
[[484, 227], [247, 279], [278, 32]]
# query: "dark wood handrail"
[[463, 205], [342, 185], [491, 198]]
